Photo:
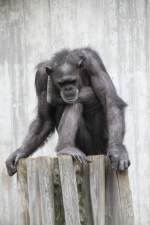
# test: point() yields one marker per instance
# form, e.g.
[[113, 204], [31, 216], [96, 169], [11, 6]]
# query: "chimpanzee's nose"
[[68, 88]]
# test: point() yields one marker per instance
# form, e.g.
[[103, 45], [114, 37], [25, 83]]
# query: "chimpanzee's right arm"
[[41, 127]]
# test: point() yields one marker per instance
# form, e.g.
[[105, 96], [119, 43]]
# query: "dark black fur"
[[97, 117]]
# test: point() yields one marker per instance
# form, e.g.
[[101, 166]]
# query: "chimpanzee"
[[76, 96]]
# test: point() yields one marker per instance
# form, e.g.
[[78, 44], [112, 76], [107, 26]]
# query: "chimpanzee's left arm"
[[114, 107]]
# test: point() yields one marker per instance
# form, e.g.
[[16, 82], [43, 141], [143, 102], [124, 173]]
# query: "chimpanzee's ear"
[[49, 84], [81, 62], [49, 70]]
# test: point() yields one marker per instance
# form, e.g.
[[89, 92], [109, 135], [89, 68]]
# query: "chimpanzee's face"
[[66, 79]]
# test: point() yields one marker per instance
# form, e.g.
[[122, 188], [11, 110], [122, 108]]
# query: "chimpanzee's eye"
[[61, 84], [73, 82]]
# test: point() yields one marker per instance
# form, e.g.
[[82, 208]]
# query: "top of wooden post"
[[57, 191]]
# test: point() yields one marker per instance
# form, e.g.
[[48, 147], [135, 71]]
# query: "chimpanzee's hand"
[[75, 153], [12, 161], [82, 57], [87, 58], [118, 156]]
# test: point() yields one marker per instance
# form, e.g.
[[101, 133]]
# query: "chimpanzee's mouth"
[[72, 99]]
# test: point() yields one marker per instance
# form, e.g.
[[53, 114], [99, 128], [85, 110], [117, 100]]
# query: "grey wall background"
[[31, 31]]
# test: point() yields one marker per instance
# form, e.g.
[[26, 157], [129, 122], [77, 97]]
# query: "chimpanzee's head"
[[66, 79]]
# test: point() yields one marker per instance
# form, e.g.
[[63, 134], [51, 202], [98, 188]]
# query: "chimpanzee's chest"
[[93, 115]]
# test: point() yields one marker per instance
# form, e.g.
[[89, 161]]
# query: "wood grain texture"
[[113, 213], [34, 193], [97, 189], [69, 190], [41, 193], [45, 173], [23, 204], [119, 204], [83, 183], [126, 205], [60, 192]]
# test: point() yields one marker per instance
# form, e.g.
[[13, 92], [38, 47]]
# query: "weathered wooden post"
[[58, 191]]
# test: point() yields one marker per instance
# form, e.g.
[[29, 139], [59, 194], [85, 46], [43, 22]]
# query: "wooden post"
[[119, 209], [59, 191], [23, 204], [69, 190], [40, 191], [97, 189]]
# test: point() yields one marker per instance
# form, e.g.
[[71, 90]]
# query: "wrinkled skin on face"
[[70, 98], [67, 80]]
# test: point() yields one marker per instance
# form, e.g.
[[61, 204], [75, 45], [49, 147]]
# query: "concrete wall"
[[31, 31]]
